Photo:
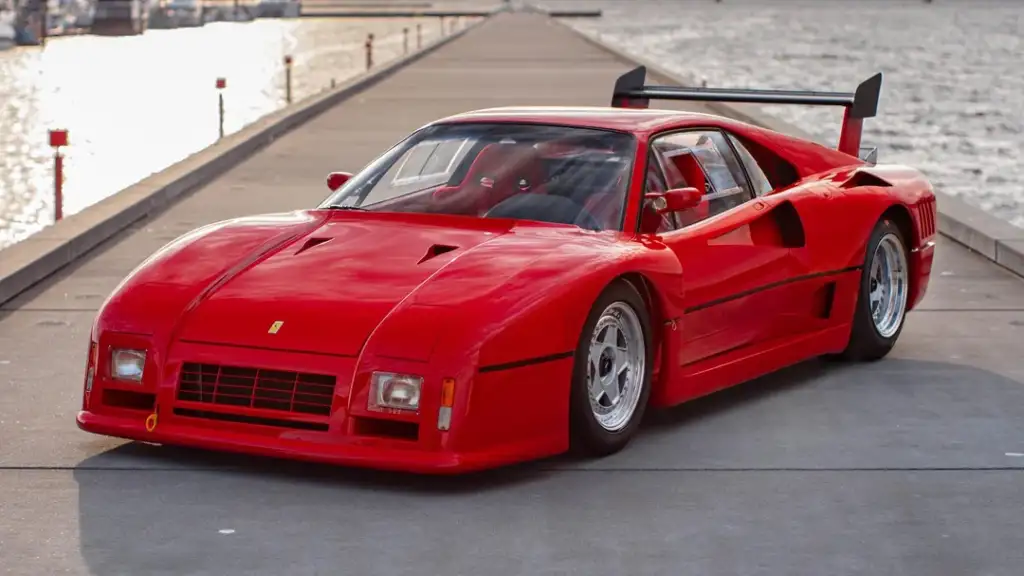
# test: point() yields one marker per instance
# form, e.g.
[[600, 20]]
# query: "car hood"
[[329, 289]]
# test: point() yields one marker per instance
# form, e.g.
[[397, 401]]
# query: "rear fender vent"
[[926, 218], [436, 250], [311, 243]]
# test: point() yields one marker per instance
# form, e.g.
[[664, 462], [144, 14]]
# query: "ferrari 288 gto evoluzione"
[[507, 284]]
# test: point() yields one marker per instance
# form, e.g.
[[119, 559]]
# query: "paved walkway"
[[906, 466]]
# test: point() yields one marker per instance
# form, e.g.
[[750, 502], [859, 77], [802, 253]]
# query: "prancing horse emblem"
[[275, 327]]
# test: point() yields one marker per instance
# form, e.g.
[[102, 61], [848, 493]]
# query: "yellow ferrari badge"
[[275, 327]]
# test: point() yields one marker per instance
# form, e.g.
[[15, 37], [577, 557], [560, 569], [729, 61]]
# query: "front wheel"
[[882, 297], [612, 372]]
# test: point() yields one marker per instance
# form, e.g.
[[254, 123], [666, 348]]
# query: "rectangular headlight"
[[394, 391], [127, 364]]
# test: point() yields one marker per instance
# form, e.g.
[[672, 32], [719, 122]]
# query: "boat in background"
[[8, 34], [231, 10], [178, 14], [121, 17], [280, 8]]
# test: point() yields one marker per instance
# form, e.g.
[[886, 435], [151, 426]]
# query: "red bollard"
[[58, 138], [369, 51], [288, 79], [221, 85]]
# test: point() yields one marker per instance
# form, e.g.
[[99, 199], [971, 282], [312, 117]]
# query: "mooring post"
[[58, 139], [221, 85], [288, 79]]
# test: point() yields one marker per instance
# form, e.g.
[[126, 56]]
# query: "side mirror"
[[336, 179], [675, 200]]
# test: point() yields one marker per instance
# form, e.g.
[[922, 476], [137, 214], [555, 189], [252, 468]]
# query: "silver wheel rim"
[[615, 366], [887, 285]]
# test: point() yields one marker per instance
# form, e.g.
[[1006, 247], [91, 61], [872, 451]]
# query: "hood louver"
[[436, 250], [311, 243]]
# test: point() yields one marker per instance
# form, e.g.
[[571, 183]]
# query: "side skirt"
[[747, 363]]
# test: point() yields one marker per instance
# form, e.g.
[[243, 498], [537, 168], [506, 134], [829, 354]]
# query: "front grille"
[[294, 392]]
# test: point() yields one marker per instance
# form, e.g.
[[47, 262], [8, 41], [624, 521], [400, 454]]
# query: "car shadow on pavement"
[[814, 463], [143, 508]]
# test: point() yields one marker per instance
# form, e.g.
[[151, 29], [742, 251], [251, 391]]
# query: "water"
[[135, 105], [953, 92], [952, 101]]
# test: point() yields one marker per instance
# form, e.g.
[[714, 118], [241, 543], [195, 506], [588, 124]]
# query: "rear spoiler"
[[631, 92]]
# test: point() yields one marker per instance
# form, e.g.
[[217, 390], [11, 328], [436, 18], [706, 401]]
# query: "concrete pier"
[[912, 465]]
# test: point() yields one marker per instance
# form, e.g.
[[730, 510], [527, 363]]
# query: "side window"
[[704, 160], [757, 177], [650, 221], [427, 164]]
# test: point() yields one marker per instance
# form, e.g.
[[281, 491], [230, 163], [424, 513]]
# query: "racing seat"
[[500, 171]]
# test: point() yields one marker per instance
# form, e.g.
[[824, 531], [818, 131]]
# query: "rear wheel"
[[882, 298], [611, 376]]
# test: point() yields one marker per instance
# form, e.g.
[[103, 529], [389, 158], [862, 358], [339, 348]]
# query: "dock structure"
[[911, 465]]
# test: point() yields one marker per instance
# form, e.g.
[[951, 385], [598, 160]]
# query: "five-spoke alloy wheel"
[[611, 379], [883, 296]]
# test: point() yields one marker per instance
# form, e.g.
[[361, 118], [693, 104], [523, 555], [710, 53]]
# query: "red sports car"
[[506, 284]]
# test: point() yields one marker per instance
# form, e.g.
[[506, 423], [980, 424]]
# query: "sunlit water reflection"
[[951, 104], [135, 105]]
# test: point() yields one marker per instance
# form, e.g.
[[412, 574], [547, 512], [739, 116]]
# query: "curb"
[[26, 263], [988, 235]]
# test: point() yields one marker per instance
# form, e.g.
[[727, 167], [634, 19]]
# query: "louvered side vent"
[[926, 218]]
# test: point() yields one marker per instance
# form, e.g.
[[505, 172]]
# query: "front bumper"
[[342, 430], [323, 447]]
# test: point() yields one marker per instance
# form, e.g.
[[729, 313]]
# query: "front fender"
[[518, 298], [153, 296]]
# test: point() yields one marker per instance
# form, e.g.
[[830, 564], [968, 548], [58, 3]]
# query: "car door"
[[734, 263]]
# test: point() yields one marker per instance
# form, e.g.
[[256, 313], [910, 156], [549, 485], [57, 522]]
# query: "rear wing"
[[631, 92]]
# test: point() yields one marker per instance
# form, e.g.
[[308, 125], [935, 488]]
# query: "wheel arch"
[[653, 300], [899, 214]]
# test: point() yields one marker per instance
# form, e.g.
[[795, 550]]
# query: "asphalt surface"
[[908, 466]]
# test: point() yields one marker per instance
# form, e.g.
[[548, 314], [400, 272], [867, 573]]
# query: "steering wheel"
[[545, 208]]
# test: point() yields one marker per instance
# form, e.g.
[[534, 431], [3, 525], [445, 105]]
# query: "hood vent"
[[436, 250], [311, 243]]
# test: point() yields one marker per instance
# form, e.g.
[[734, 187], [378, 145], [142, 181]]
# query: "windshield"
[[538, 172]]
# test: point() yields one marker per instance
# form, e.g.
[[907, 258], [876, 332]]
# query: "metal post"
[[58, 138], [58, 186], [419, 36], [288, 78], [369, 51], [405, 40], [43, 28], [221, 85]]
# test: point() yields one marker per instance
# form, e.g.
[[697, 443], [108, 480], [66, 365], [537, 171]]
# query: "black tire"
[[866, 343], [587, 436]]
